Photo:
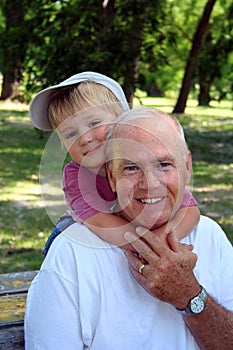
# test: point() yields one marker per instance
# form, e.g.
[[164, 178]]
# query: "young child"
[[81, 109]]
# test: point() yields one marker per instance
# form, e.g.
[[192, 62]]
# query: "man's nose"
[[150, 179]]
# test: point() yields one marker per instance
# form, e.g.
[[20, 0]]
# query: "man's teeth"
[[150, 200]]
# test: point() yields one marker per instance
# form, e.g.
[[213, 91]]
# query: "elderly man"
[[86, 297]]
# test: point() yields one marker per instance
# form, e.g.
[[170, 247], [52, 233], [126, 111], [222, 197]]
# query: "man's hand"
[[168, 267]]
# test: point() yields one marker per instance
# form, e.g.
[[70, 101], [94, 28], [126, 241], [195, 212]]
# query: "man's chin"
[[150, 222], [150, 218]]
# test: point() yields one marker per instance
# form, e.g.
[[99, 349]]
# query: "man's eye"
[[131, 168], [94, 123], [166, 165]]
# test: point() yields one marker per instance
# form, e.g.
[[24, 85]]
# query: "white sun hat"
[[39, 105]]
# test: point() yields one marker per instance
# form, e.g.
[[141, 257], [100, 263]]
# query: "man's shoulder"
[[74, 252], [80, 235], [77, 238], [209, 225], [208, 233], [206, 229], [206, 220]]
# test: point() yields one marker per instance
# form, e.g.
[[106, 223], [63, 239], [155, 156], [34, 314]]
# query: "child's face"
[[84, 136]]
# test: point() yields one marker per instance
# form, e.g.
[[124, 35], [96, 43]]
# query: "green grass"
[[25, 224]]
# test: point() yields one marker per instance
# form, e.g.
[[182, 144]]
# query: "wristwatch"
[[196, 305]]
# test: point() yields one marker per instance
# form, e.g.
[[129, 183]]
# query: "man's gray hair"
[[139, 113]]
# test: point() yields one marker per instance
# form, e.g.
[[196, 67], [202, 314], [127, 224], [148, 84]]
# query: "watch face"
[[197, 305]]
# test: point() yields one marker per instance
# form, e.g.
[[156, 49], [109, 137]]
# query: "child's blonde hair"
[[69, 100]]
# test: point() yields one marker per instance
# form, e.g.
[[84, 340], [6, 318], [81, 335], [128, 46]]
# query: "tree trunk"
[[132, 66], [13, 48], [204, 94], [193, 56], [133, 36]]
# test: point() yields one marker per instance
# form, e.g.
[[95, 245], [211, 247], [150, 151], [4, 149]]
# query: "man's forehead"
[[141, 137], [152, 140], [140, 152], [157, 122], [157, 128]]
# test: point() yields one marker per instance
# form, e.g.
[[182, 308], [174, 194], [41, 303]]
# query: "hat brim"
[[39, 105]]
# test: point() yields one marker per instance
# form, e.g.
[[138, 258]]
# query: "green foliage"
[[75, 35], [215, 65], [2, 27], [161, 67], [141, 44]]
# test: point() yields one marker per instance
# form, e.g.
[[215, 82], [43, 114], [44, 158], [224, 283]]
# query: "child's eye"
[[70, 135], [94, 123]]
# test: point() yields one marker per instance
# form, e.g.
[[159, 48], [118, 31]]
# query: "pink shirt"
[[88, 194]]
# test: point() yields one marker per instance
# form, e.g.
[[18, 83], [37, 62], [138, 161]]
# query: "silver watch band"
[[199, 299]]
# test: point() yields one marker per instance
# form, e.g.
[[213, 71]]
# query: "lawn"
[[25, 223]]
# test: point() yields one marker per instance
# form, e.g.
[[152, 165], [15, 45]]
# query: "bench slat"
[[13, 293], [11, 283], [12, 308], [12, 336]]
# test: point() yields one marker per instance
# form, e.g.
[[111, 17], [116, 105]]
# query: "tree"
[[132, 21], [215, 64], [13, 48], [193, 56], [105, 37], [140, 44]]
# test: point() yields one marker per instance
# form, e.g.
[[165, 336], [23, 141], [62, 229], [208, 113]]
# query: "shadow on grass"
[[25, 260], [212, 147], [23, 232]]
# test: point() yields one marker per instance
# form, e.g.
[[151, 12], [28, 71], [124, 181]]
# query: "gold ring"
[[140, 270]]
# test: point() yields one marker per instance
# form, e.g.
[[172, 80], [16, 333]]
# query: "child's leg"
[[61, 225]]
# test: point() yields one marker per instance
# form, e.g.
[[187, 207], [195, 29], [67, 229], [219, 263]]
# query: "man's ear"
[[189, 167], [110, 177]]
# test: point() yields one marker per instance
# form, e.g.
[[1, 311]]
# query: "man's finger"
[[136, 265], [157, 244], [173, 242]]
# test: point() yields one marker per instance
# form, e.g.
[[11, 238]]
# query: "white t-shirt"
[[85, 297]]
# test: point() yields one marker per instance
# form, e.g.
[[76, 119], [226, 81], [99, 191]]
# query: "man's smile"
[[150, 200]]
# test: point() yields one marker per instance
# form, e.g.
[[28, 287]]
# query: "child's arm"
[[186, 217], [184, 221], [110, 228]]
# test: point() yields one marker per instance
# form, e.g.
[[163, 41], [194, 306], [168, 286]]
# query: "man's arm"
[[213, 328], [168, 275]]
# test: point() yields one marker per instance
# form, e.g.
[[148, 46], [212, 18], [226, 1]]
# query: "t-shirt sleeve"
[[214, 267], [52, 318], [81, 192], [188, 199]]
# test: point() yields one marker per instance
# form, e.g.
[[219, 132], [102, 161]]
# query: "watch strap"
[[188, 310]]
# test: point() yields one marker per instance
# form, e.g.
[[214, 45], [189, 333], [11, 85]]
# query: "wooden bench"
[[13, 292]]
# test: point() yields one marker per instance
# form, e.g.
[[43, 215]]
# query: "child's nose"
[[86, 138]]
